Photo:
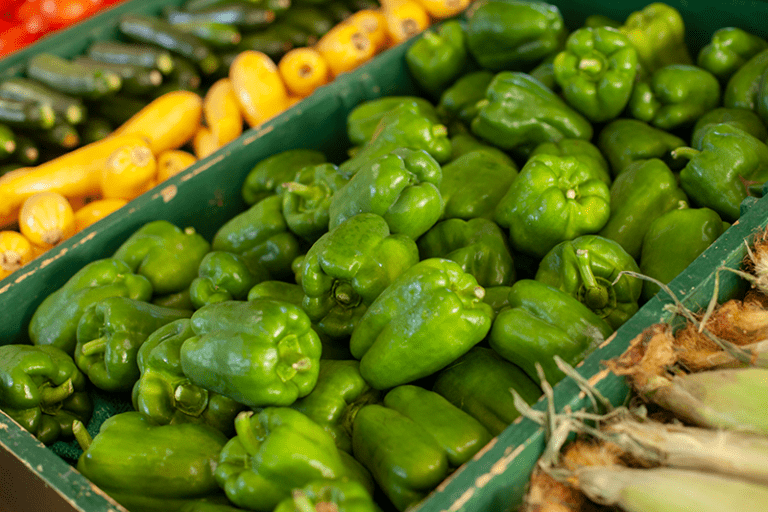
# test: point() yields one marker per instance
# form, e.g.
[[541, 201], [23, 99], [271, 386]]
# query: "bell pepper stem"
[[345, 294], [301, 502], [81, 434], [244, 430], [439, 130], [52, 395], [302, 190], [684, 152], [94, 347], [190, 399], [596, 295]]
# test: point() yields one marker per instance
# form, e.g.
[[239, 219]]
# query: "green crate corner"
[[207, 194]]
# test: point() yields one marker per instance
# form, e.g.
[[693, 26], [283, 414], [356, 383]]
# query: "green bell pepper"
[[158, 467], [645, 190], [348, 267], [339, 394], [261, 234], [463, 143], [728, 50], [459, 101], [673, 241], [179, 300], [109, 336], [54, 322], [401, 186], [474, 183], [741, 118], [42, 390], [743, 88], [166, 395], [513, 34], [430, 315], [363, 120], [658, 34], [596, 72], [587, 268], [675, 96], [477, 245], [275, 451], [405, 460], [542, 321], [519, 113], [165, 254], [224, 276], [545, 73], [403, 127], [307, 198], [266, 177], [582, 150], [332, 495], [276, 350], [497, 297], [438, 57], [552, 200], [720, 172], [479, 382], [599, 20], [625, 141]]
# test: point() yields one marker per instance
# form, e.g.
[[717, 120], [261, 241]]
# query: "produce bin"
[[208, 193]]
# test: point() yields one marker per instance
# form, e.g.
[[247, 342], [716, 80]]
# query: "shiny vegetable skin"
[[224, 276], [267, 177], [345, 495], [624, 141], [438, 57], [70, 78], [728, 50]]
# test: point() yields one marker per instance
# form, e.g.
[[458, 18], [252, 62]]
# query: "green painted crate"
[[207, 194]]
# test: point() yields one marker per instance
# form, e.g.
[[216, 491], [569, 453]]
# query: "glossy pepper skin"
[[624, 141], [275, 451], [438, 57], [542, 321], [721, 171], [308, 196], [519, 113], [479, 246], [166, 395], [673, 241], [596, 72], [363, 120], [582, 150], [552, 200], [728, 50], [224, 276], [586, 269], [464, 142], [165, 254], [434, 300], [163, 465], [514, 35], [261, 234], [337, 495], [675, 96], [339, 393], [348, 267], [55, 319], [266, 177], [110, 334], [743, 88], [403, 127], [474, 183], [741, 118], [401, 186], [273, 341], [478, 383], [42, 389], [459, 101], [658, 34], [645, 190]]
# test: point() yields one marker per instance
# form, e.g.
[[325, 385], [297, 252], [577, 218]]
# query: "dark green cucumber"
[[26, 114], [143, 55], [278, 6], [95, 129], [309, 18], [217, 35], [185, 74], [65, 106], [359, 5], [7, 142], [6, 168], [69, 78], [137, 80], [27, 151], [338, 10], [267, 41], [152, 30], [241, 15], [62, 136], [296, 35], [118, 109]]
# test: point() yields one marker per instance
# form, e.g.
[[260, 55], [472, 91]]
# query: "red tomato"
[[13, 38]]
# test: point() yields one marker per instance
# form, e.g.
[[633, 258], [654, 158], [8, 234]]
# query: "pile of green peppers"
[[350, 339]]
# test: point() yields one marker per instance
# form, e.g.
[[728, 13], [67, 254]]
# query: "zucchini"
[[278, 6], [65, 106], [240, 15], [26, 114], [151, 30], [185, 75], [309, 18], [217, 35], [338, 10], [137, 80], [62, 136], [6, 168], [94, 129], [359, 5], [298, 37], [70, 78], [267, 41], [7, 142], [118, 109], [142, 55], [27, 153]]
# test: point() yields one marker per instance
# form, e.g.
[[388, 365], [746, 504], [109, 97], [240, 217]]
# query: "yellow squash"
[[95, 211], [47, 219], [15, 252], [128, 172], [303, 70], [222, 112], [259, 88]]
